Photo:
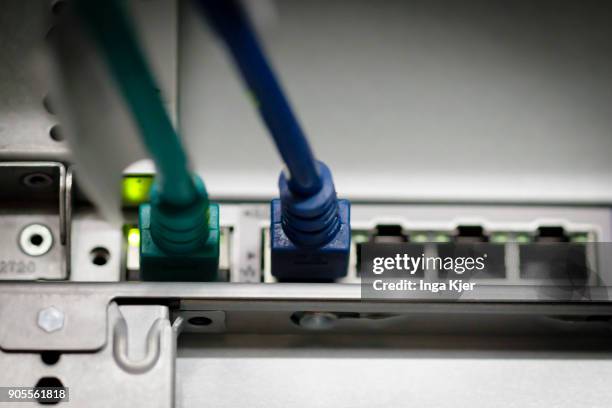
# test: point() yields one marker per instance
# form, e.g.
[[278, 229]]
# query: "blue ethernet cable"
[[310, 227], [229, 19], [179, 228]]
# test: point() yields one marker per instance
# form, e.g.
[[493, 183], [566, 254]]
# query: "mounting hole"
[[50, 357], [49, 382], [58, 7], [56, 133], [99, 256], [37, 180], [35, 240], [200, 321]]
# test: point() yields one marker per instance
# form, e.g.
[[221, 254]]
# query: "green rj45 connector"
[[179, 244], [179, 229]]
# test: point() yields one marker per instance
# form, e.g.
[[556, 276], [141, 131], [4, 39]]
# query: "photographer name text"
[[453, 285]]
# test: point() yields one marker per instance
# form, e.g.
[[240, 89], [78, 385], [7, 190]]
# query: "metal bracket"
[[33, 216], [250, 308], [139, 353]]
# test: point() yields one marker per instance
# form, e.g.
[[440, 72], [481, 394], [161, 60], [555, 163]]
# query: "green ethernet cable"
[[179, 228]]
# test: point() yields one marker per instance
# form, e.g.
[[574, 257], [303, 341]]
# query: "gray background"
[[470, 100]]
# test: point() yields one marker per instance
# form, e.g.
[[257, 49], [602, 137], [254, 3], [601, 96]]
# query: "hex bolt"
[[50, 319]]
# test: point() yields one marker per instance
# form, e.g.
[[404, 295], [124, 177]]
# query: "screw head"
[[318, 320], [50, 319]]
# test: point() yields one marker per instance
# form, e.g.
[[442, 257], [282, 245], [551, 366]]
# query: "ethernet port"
[[551, 235], [552, 257], [388, 234], [391, 234], [470, 234], [472, 242]]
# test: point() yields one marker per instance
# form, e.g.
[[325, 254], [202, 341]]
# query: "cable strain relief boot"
[[310, 236], [180, 229], [311, 221]]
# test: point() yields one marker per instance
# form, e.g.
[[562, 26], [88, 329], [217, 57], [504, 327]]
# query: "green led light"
[[580, 238], [523, 238], [360, 238], [442, 238], [419, 237], [499, 238], [136, 189], [133, 237]]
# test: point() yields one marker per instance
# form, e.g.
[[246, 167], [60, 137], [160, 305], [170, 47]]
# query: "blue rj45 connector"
[[310, 236], [310, 227]]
